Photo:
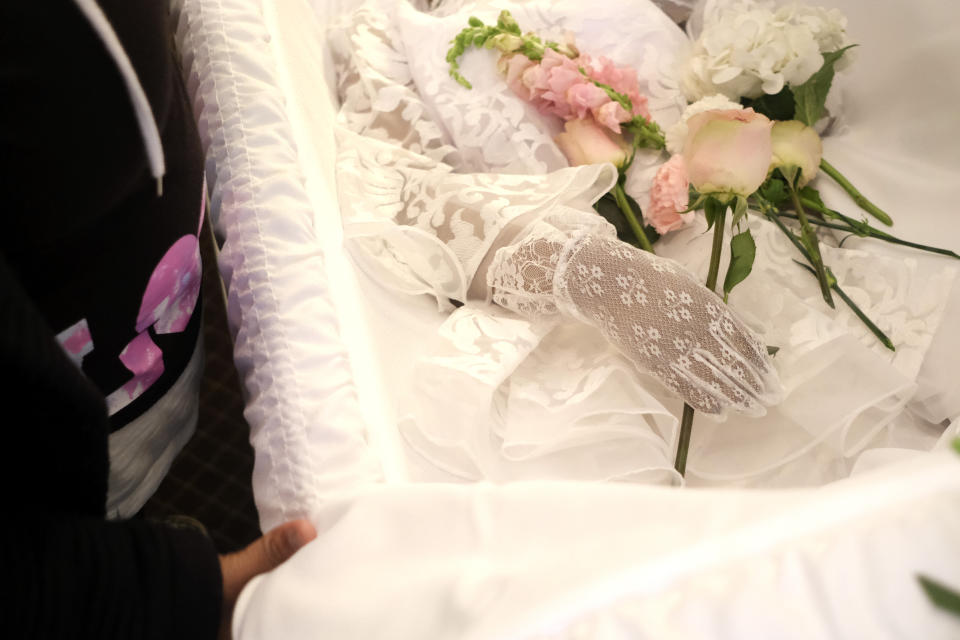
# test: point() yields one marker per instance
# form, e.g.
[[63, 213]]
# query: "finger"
[[280, 543], [756, 365], [741, 355], [264, 554], [711, 389]]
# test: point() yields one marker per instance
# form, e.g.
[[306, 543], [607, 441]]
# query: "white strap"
[[141, 106]]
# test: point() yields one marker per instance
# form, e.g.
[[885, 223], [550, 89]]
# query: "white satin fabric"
[[614, 561], [328, 356]]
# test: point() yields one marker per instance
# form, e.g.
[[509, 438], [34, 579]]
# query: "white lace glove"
[[650, 308]]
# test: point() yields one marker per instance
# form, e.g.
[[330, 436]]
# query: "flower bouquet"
[[758, 80]]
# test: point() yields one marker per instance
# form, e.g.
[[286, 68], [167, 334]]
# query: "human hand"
[[263, 554]]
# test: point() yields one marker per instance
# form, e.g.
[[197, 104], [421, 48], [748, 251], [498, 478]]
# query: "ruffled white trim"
[[307, 430]]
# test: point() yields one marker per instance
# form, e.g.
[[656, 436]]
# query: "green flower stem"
[[717, 248], [874, 329], [813, 245], [858, 197], [867, 231], [621, 199], [653, 138], [683, 445], [774, 218], [506, 37], [645, 132], [686, 420]]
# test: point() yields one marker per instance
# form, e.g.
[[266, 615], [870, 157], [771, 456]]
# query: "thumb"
[[262, 555]]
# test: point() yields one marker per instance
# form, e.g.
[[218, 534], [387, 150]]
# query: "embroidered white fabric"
[[431, 175], [650, 308]]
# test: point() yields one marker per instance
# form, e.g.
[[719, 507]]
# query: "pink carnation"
[[669, 196]]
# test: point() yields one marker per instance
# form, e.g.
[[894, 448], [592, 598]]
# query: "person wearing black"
[[101, 197]]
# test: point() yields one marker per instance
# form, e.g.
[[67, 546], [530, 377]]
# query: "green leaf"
[[811, 194], [956, 445], [475, 21], [648, 229], [743, 250], [779, 106], [790, 173], [739, 210], [810, 96], [774, 191], [608, 208], [940, 595], [713, 209], [651, 233], [696, 201]]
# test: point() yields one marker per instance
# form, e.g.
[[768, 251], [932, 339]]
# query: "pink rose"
[[728, 152], [586, 142], [669, 196]]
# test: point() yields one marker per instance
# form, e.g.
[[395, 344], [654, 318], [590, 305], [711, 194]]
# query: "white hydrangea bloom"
[[828, 26], [747, 48], [677, 134]]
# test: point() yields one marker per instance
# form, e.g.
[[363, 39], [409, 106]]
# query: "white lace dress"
[[434, 178]]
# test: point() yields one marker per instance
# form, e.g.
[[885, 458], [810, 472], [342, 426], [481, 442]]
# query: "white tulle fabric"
[[503, 397]]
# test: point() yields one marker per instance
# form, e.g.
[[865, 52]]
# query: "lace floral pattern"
[[650, 308], [420, 222], [494, 129]]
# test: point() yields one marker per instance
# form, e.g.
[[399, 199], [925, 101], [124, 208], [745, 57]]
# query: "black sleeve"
[[84, 577], [69, 572]]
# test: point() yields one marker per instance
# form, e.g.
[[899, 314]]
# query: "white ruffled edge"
[[282, 322]]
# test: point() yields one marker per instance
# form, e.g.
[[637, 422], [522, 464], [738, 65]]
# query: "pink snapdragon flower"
[[514, 66], [556, 86], [620, 79], [669, 197]]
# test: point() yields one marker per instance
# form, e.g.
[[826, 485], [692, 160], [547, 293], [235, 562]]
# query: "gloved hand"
[[650, 308]]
